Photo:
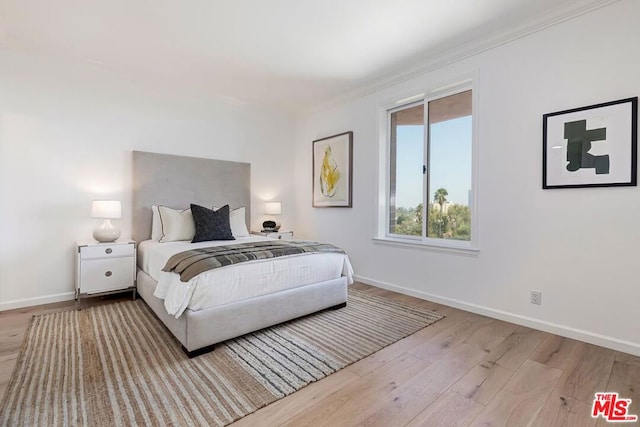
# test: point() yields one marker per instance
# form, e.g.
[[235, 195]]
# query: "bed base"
[[212, 347], [199, 331]]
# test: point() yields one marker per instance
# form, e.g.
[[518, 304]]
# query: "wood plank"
[[360, 394], [518, 403], [588, 373], [516, 348], [627, 358], [491, 333], [483, 382], [417, 302], [563, 411], [445, 341], [7, 365], [555, 352], [412, 397], [451, 410]]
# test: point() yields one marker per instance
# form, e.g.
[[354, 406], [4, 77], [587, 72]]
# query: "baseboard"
[[554, 328], [28, 302]]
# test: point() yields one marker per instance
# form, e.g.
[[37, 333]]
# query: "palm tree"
[[419, 213], [440, 197]]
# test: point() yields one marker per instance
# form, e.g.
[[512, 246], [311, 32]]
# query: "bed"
[[261, 294]]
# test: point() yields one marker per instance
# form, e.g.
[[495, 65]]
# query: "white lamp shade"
[[273, 208], [108, 209]]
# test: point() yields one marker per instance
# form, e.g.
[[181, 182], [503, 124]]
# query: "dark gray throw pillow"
[[210, 224]]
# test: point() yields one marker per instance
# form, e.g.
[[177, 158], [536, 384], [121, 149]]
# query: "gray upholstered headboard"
[[177, 181]]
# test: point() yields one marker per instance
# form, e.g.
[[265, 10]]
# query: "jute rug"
[[116, 364]]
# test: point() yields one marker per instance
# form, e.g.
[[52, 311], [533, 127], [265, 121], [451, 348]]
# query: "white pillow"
[[237, 222], [156, 224], [176, 225]]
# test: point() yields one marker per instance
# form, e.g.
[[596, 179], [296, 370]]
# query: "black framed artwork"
[[594, 146]]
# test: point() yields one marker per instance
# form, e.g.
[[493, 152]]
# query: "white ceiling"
[[292, 54]]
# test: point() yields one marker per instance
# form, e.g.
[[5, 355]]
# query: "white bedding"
[[235, 282]]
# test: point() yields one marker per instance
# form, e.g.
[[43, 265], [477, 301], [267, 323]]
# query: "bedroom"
[[69, 124]]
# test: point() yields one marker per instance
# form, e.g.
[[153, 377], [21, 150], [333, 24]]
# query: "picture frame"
[[332, 171], [593, 146]]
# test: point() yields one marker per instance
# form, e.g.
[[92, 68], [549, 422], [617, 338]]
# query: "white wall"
[[578, 246], [66, 136]]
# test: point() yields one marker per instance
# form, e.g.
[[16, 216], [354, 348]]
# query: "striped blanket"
[[189, 264]]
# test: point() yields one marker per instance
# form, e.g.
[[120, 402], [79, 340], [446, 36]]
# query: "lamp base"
[[270, 226], [106, 232]]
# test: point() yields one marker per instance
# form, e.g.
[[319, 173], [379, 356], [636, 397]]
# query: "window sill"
[[446, 247]]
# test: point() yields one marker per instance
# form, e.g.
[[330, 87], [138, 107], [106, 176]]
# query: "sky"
[[450, 161]]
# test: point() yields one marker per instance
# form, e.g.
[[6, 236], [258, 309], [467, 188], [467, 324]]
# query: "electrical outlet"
[[536, 297]]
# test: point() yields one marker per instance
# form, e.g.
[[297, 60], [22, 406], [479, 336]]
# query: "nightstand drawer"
[[283, 236], [102, 275], [280, 235], [106, 251]]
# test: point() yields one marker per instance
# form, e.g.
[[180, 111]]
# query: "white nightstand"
[[104, 268], [282, 235]]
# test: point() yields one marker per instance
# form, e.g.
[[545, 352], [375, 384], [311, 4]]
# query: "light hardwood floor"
[[465, 370]]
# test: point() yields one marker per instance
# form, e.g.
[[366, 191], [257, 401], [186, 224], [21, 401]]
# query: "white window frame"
[[382, 235]]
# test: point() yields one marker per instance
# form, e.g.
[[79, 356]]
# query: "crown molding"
[[466, 50]]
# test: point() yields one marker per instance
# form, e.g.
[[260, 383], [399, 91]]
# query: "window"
[[429, 185]]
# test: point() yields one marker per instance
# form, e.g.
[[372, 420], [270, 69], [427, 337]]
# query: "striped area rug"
[[116, 364]]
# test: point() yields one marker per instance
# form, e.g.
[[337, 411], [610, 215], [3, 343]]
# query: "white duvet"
[[235, 282]]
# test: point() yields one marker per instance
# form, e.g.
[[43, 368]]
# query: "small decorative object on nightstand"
[[104, 268], [282, 235]]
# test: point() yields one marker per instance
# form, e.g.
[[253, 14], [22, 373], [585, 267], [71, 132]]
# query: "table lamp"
[[107, 210], [272, 208]]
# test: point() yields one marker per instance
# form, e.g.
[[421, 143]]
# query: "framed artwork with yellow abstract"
[[332, 171]]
